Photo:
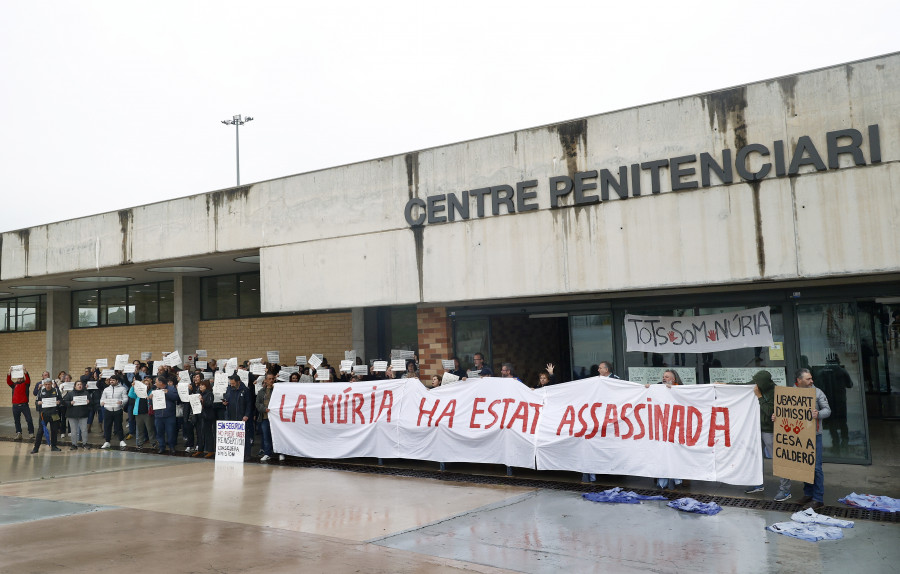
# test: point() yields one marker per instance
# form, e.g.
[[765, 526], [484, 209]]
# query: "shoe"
[[196, 454], [55, 449], [782, 496], [281, 457], [264, 458], [757, 488], [18, 436], [129, 436], [89, 429], [105, 445], [30, 435], [161, 451], [63, 435], [804, 500], [34, 451], [73, 447], [209, 455], [815, 505], [122, 444]]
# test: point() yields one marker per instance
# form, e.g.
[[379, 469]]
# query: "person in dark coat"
[[48, 399]]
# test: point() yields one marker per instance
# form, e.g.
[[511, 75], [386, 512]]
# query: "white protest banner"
[[220, 385], [92, 385], [350, 356], [121, 362], [107, 373], [360, 370], [379, 366], [17, 372], [159, 400], [449, 379], [258, 368], [183, 391], [315, 360], [207, 376], [283, 376], [173, 359], [244, 376], [79, 400], [291, 369], [196, 404], [230, 366], [155, 370], [448, 364], [66, 387], [273, 357], [307, 419], [301, 360], [48, 402], [230, 440], [201, 353], [145, 355], [473, 374], [402, 354], [140, 389], [745, 375], [653, 375], [398, 366], [702, 432], [184, 377], [701, 334], [102, 363], [346, 366], [323, 374]]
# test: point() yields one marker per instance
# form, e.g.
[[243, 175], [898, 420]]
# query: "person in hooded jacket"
[[78, 404]]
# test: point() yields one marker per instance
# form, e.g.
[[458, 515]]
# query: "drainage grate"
[[850, 513]]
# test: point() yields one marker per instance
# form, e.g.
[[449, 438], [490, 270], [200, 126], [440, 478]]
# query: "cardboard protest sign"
[[230, 438], [795, 433]]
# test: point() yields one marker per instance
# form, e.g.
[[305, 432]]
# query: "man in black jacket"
[[239, 406]]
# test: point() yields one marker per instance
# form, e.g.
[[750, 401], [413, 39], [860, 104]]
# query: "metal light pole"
[[237, 122]]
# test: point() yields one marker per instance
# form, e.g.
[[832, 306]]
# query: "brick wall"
[[29, 349], [327, 333], [434, 340], [88, 345]]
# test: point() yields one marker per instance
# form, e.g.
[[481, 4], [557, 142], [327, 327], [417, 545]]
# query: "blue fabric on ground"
[[695, 506], [872, 502], [811, 532], [810, 516], [618, 495]]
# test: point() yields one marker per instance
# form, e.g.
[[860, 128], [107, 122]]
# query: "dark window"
[[24, 313], [230, 296], [141, 304]]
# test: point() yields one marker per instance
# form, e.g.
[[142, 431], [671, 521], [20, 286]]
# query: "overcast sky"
[[112, 104]]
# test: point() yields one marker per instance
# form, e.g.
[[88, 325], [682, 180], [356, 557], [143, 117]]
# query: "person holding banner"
[[79, 404], [814, 494], [112, 401], [604, 369], [483, 370], [546, 377], [91, 378], [48, 400], [670, 377], [411, 372], [164, 418], [20, 390]]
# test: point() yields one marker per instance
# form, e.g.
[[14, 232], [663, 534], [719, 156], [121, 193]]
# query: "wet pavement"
[[105, 511]]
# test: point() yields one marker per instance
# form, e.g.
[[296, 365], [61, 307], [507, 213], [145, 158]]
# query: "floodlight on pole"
[[237, 122]]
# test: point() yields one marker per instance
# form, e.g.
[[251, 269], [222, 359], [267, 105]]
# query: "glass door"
[[830, 349]]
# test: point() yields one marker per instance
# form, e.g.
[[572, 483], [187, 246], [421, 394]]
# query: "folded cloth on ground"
[[692, 505], [811, 532], [872, 502], [618, 495], [810, 516]]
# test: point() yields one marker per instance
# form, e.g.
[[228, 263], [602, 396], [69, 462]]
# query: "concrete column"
[[59, 317], [358, 339], [187, 315]]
